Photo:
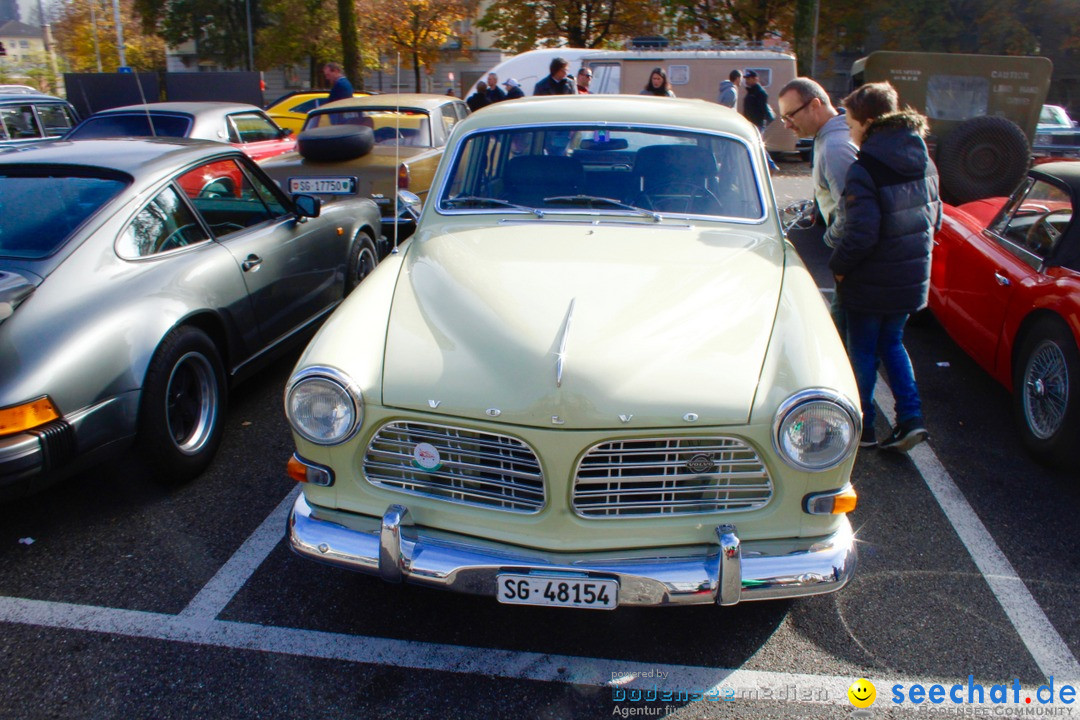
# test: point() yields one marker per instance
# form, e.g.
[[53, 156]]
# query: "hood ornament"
[[560, 356]]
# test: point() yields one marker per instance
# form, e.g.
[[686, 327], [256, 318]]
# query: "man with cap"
[[513, 89], [756, 106]]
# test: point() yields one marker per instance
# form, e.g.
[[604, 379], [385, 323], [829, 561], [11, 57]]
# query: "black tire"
[[336, 142], [182, 410], [983, 157], [1046, 393], [362, 261]]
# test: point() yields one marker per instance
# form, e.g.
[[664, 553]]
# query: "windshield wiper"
[[477, 201], [591, 200]]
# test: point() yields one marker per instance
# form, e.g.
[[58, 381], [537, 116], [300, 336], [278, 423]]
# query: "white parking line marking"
[[618, 675], [221, 589], [1044, 643]]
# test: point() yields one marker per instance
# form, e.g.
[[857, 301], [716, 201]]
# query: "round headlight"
[[816, 430], [323, 407]]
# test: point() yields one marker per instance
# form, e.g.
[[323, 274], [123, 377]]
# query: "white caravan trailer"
[[692, 74]]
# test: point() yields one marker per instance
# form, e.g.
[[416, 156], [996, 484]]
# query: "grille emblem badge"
[[701, 463], [426, 457]]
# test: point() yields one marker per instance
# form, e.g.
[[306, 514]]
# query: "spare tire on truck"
[[335, 142], [983, 157]]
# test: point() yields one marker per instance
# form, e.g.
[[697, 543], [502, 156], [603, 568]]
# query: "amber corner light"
[[19, 418], [845, 502], [296, 470]]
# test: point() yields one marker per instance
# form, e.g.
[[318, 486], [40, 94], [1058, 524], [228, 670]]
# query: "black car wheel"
[[183, 405], [1046, 392], [362, 260]]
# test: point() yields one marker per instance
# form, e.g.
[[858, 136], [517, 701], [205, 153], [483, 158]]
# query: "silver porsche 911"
[[140, 279]]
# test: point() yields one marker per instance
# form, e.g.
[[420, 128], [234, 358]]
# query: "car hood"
[[654, 324]]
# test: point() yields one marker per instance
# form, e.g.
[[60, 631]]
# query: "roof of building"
[[14, 28]]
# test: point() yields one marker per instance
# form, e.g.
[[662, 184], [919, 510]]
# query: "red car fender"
[[1056, 291]]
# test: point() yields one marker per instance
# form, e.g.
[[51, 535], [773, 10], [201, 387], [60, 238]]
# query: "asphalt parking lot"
[[121, 598]]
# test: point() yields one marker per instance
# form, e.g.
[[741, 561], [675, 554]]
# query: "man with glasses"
[[805, 108], [584, 77]]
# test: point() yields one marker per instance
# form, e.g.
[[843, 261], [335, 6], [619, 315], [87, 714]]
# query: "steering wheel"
[[1043, 233], [176, 238], [676, 192]]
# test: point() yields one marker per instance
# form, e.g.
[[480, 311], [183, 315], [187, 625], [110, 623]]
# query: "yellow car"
[[596, 375], [290, 111], [372, 147]]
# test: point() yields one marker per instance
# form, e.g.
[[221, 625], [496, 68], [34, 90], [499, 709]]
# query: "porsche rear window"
[[133, 125], [39, 212]]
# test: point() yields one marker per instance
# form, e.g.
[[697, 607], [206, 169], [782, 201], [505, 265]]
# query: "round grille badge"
[[426, 457], [701, 463]]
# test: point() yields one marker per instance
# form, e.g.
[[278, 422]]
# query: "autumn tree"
[[746, 20], [299, 32], [415, 28], [218, 27], [85, 30], [524, 25]]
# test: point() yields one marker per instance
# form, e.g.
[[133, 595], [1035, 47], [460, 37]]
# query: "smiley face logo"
[[862, 693]]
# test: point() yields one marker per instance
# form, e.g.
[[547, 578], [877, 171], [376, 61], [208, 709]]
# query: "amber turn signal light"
[[27, 416], [835, 502], [308, 472]]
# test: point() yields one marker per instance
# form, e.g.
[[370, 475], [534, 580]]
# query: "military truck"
[[983, 110]]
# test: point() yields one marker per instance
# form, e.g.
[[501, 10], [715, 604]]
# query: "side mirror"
[[307, 205], [798, 215], [409, 203], [286, 132]]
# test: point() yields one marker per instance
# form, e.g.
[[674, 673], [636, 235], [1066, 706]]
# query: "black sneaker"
[[869, 437], [906, 435]]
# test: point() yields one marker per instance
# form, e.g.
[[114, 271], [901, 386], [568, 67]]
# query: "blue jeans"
[[874, 336]]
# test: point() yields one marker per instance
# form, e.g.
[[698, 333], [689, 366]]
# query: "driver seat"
[[665, 173]]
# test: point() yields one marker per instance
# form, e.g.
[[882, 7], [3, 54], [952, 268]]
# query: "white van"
[[692, 74]]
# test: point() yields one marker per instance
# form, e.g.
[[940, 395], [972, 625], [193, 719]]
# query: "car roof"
[[187, 108], [422, 101], [16, 97], [133, 156], [611, 109], [1067, 172]]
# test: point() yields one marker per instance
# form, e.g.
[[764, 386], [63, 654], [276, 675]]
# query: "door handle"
[[252, 263], [1002, 280]]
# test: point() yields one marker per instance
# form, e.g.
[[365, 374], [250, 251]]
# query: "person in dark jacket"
[[513, 89], [478, 99], [494, 92], [340, 87], [756, 102], [557, 82], [881, 262]]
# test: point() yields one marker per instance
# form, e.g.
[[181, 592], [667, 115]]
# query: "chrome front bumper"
[[726, 573]]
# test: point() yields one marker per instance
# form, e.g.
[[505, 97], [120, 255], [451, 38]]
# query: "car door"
[[985, 272], [293, 267], [257, 135]]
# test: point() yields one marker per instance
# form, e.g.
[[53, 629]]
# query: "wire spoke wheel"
[[1046, 390]]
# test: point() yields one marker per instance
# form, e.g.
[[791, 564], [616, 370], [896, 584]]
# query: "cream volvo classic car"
[[597, 375]]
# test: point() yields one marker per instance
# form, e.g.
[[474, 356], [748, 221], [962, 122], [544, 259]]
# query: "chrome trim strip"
[[765, 569], [560, 361]]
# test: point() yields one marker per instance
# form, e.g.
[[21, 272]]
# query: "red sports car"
[[1005, 284]]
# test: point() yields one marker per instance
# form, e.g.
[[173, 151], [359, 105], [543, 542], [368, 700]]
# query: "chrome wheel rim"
[[191, 401], [1046, 390]]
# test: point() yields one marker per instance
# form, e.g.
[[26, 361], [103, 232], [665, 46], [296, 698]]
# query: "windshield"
[[408, 128], [604, 168], [40, 209], [133, 125]]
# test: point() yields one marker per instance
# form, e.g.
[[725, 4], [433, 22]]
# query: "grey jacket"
[[833, 154], [891, 211], [729, 94]]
